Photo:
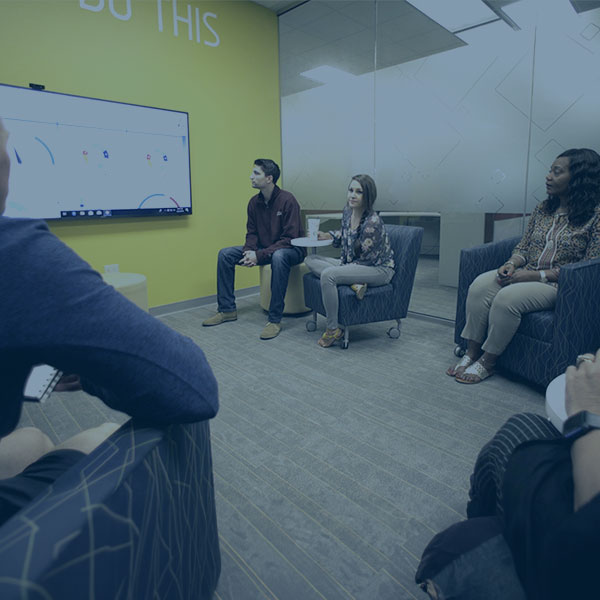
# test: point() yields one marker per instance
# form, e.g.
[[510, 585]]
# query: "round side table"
[[307, 242], [555, 402], [132, 285]]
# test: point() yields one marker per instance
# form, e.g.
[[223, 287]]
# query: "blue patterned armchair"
[[382, 303], [134, 519], [547, 341]]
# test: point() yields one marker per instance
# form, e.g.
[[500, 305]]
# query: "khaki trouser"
[[494, 312]]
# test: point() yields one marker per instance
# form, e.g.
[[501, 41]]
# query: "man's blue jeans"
[[282, 261]]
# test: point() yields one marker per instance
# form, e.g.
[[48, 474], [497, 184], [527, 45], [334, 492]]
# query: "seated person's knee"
[[21, 448], [505, 301], [328, 276], [310, 259], [88, 440], [277, 258]]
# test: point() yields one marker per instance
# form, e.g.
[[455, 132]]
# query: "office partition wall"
[[455, 112]]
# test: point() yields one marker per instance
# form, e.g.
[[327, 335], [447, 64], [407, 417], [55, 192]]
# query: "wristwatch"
[[579, 424], [543, 277]]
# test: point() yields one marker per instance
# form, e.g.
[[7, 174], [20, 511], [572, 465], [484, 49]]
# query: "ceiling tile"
[[278, 6], [362, 43], [296, 84], [431, 41], [390, 54], [297, 41], [333, 27], [362, 12], [457, 14], [340, 33], [404, 27], [306, 13], [392, 9]]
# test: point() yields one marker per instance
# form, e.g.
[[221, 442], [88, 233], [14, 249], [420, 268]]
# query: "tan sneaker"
[[270, 331], [359, 289], [219, 318]]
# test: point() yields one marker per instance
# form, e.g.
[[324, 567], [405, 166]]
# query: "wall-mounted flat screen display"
[[84, 158]]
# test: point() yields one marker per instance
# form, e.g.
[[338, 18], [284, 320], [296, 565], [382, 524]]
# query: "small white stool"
[[294, 296], [132, 285]]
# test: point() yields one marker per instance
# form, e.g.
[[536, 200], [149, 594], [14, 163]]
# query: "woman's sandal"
[[462, 364], [477, 370], [330, 337], [359, 289]]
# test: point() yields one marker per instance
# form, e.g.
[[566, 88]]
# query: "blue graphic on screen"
[[46, 146], [75, 157]]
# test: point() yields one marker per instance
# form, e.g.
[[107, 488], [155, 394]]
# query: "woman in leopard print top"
[[563, 229]]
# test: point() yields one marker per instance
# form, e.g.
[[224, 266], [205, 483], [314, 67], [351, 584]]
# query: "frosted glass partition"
[[566, 89], [450, 136], [460, 123], [327, 127]]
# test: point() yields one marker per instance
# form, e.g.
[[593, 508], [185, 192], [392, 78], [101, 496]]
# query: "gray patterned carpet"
[[333, 468]]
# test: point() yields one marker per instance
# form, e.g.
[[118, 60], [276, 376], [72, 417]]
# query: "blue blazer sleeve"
[[58, 310]]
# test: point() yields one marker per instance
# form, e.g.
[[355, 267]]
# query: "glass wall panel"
[[327, 52], [452, 131], [566, 88], [435, 107]]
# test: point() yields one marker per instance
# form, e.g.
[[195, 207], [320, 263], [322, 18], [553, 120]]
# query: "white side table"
[[132, 285], [306, 242], [555, 402]]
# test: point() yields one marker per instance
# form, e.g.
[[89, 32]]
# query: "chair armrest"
[[577, 311], [473, 262], [63, 508], [137, 512]]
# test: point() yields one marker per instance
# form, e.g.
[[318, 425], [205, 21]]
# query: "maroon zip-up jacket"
[[272, 226]]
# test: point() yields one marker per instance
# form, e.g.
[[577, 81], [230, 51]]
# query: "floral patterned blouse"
[[375, 249], [551, 241]]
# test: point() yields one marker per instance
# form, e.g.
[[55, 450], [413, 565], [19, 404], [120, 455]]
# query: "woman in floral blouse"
[[563, 229], [366, 254]]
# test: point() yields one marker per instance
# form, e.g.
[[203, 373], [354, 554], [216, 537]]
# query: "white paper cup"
[[313, 228]]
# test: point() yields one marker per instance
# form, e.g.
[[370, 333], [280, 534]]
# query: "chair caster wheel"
[[344, 345], [311, 326], [459, 351], [394, 332]]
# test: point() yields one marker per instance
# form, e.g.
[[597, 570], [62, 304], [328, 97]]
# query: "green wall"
[[231, 92]]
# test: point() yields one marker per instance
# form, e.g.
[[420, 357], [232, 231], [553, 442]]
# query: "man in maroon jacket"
[[273, 221]]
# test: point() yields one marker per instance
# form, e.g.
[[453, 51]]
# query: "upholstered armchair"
[[382, 303], [547, 341], [134, 519]]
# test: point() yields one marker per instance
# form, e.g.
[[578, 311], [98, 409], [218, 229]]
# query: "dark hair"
[[369, 191], [584, 186], [269, 167]]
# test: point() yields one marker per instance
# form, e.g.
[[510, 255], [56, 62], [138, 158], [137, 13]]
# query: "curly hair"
[[584, 186]]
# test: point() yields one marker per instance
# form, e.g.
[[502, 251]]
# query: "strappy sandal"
[[359, 289], [330, 337], [463, 363], [476, 369]]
